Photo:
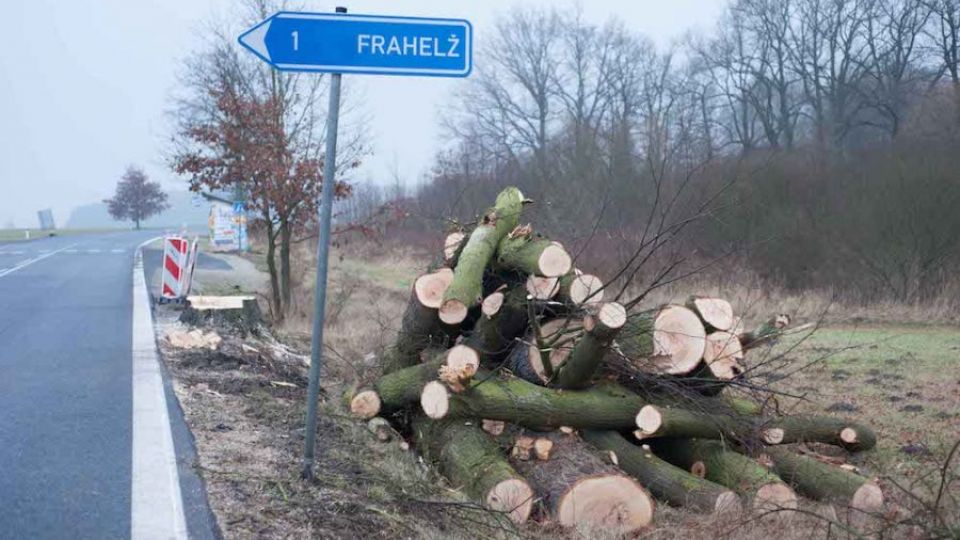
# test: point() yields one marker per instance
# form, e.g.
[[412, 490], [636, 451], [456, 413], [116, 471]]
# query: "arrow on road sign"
[[371, 44]]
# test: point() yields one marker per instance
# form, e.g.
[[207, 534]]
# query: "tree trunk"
[[666, 481], [580, 489], [420, 327], [823, 429], [825, 482], [285, 240], [538, 256], [605, 406], [472, 461], [535, 358], [669, 341], [277, 307], [467, 286], [577, 288], [581, 365], [730, 469]]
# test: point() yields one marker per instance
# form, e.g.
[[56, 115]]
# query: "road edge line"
[[156, 503]]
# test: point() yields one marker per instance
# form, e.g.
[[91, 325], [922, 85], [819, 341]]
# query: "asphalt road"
[[66, 390]]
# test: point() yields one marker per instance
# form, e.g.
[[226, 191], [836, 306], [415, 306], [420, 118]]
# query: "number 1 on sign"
[[296, 40]]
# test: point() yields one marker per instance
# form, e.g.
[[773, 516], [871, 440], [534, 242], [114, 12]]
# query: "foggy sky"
[[84, 86]]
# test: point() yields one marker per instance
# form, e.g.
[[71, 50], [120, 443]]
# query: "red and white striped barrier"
[[174, 262]]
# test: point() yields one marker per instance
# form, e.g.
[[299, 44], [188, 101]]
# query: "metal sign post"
[[336, 44]]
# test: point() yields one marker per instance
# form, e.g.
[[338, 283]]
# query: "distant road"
[[66, 364]]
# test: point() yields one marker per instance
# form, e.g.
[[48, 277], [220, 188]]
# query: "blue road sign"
[[371, 44]]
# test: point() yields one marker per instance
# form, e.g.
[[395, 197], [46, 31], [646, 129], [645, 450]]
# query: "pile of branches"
[[527, 390]]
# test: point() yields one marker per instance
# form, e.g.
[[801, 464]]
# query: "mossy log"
[[605, 406], [825, 482], [716, 463], [666, 341], [852, 436], [396, 390], [664, 480], [466, 288], [523, 251], [716, 313], [600, 327], [579, 488], [472, 461], [420, 327]]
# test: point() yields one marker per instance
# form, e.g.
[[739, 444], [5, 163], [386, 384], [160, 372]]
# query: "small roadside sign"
[[371, 44]]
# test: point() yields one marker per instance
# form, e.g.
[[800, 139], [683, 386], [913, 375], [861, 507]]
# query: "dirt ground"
[[245, 405]]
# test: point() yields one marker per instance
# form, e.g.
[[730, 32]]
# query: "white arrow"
[[256, 39]]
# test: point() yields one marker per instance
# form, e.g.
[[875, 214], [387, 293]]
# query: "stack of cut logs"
[[514, 377]]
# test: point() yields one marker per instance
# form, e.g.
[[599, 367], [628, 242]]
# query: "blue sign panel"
[[371, 44]]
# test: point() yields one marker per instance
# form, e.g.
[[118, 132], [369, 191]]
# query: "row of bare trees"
[[818, 130]]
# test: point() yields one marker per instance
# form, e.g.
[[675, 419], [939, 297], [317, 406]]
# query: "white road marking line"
[[156, 505], [71, 251], [93, 251], [28, 262], [118, 251]]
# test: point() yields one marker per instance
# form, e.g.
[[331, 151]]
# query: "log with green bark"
[[472, 461], [669, 340], [765, 334], [600, 327], [466, 288], [528, 253], [852, 436], [664, 480], [716, 313], [544, 347], [396, 390], [581, 489], [821, 481], [715, 462], [503, 318], [605, 406], [665, 421], [420, 327]]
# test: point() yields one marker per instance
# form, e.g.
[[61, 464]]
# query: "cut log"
[[579, 489], [394, 391], [660, 421], [451, 247], [420, 328], [467, 286], [503, 318], [730, 469], [542, 288], [605, 406], [716, 313], [666, 481], [581, 365], [527, 358], [765, 334], [852, 436], [577, 288], [521, 250], [472, 461], [669, 340], [461, 365], [494, 427], [821, 481], [723, 355]]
